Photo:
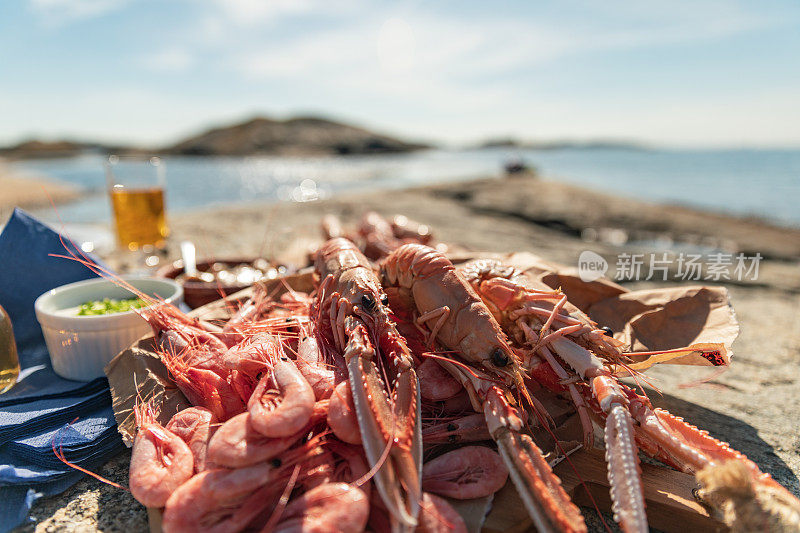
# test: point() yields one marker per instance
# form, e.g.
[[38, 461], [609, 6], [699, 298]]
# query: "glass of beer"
[[9, 363], [136, 187]]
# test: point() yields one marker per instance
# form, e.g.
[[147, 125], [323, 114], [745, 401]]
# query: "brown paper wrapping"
[[139, 373], [580, 293], [648, 320], [663, 319]]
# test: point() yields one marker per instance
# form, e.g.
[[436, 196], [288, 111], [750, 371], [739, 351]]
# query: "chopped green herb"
[[109, 305]]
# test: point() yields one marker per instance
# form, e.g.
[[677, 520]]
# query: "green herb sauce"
[[108, 306]]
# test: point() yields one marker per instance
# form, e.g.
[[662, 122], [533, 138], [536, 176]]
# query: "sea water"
[[762, 183]]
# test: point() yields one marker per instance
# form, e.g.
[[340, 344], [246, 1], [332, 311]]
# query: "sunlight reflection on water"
[[760, 182]]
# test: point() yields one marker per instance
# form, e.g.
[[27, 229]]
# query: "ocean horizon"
[[742, 182]]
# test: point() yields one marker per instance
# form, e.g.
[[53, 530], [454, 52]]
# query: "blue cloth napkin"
[[20, 419], [87, 439], [84, 440], [43, 408]]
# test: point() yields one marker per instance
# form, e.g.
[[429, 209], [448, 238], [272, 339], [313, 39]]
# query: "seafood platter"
[[398, 384]]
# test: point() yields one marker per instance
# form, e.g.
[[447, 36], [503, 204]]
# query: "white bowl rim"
[[177, 294]]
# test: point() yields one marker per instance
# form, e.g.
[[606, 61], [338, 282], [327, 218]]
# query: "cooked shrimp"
[[435, 383], [195, 427], [328, 508], [342, 417], [221, 500], [438, 516], [469, 428], [464, 473], [310, 363], [160, 461], [236, 444], [282, 402]]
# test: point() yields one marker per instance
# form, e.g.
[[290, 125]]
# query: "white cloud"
[[421, 46], [169, 60], [396, 46], [328, 55], [63, 11], [111, 114], [459, 78], [250, 12]]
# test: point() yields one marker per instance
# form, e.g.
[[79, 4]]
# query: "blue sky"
[[699, 73]]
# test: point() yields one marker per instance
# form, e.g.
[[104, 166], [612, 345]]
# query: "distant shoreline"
[[29, 191], [301, 135]]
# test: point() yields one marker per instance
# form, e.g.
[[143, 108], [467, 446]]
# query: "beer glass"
[[9, 363], [136, 188]]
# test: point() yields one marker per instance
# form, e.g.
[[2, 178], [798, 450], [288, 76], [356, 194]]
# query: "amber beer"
[[9, 362], [139, 216]]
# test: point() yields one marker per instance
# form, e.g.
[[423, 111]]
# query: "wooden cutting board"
[[670, 503]]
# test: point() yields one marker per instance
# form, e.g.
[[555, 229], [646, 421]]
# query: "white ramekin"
[[80, 346]]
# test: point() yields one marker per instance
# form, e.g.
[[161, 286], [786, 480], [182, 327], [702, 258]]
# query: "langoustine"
[[454, 315], [353, 326]]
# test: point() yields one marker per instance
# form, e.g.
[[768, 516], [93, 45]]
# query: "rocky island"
[[299, 136], [294, 136]]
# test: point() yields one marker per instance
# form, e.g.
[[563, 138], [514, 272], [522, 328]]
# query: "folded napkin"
[[43, 408], [88, 439], [20, 419], [74, 437]]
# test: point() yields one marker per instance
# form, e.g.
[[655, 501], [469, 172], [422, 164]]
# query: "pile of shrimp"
[[271, 441]]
